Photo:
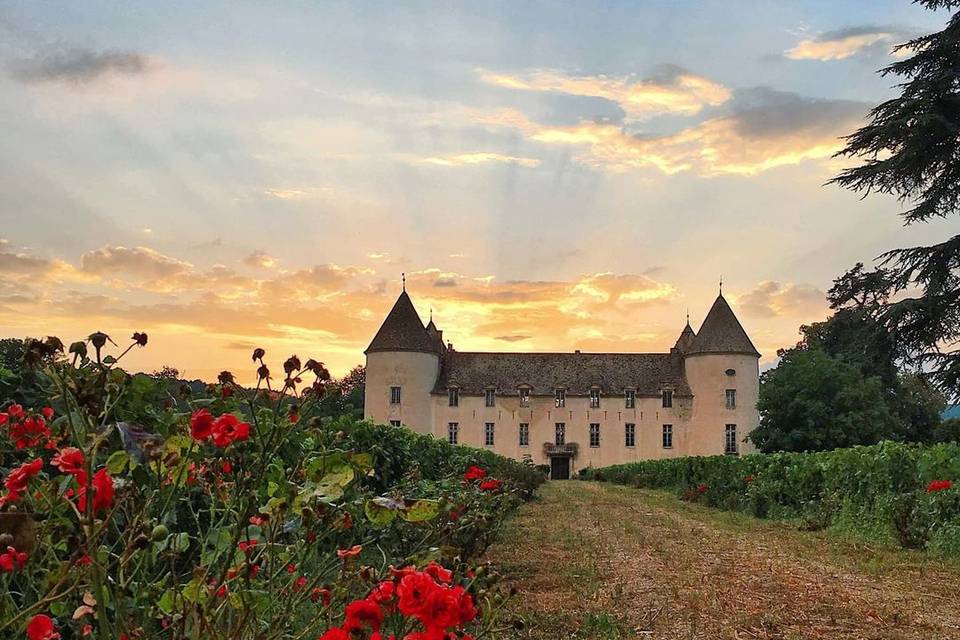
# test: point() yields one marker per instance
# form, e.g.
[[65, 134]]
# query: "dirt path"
[[603, 561]]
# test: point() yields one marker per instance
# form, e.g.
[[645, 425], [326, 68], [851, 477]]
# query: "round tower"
[[722, 368], [403, 362]]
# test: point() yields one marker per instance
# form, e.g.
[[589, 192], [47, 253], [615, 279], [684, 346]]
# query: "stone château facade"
[[569, 410]]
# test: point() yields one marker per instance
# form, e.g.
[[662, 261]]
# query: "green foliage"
[[842, 385], [812, 401], [909, 149], [878, 491], [266, 534]]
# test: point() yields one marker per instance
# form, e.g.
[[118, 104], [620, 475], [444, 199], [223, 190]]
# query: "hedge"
[[889, 491]]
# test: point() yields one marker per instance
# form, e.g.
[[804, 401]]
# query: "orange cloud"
[[839, 45], [767, 129], [203, 320], [670, 90], [770, 298], [468, 159]]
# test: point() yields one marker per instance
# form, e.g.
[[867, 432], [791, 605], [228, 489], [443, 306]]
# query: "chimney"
[[576, 351]]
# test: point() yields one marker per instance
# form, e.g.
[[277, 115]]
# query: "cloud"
[[260, 260], [469, 159], [122, 262], [770, 299], [204, 319], [669, 89], [765, 129], [845, 43], [78, 66]]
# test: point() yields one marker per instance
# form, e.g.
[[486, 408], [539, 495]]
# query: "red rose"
[[414, 592], [939, 485], [12, 560], [228, 429], [351, 552], [47, 412], [201, 425], [474, 473], [320, 594], [490, 485], [383, 592], [69, 460], [102, 491], [41, 627], [18, 478], [29, 433], [438, 573], [363, 614]]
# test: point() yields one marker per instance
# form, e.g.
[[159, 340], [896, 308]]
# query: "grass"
[[599, 561]]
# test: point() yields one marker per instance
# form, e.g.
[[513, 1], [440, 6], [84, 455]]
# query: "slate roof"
[[474, 372], [721, 332], [403, 330], [685, 339]]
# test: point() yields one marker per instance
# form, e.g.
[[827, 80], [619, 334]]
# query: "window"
[[630, 398], [394, 423], [594, 435], [730, 440], [731, 398], [667, 398], [453, 396], [453, 432], [524, 434], [630, 434], [524, 397], [668, 436], [594, 398], [488, 434], [490, 397], [560, 433], [560, 398], [394, 395]]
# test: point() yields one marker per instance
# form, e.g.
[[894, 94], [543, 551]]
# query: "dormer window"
[[594, 398], [453, 396], [490, 397], [524, 397], [667, 396], [560, 398], [630, 398]]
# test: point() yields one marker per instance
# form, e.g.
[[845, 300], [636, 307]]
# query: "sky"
[[549, 176]]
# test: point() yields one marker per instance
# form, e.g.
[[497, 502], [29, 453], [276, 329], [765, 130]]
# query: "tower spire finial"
[[403, 278], [721, 285], [688, 316]]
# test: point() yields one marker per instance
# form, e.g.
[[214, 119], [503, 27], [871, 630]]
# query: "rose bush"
[[135, 510], [894, 492]]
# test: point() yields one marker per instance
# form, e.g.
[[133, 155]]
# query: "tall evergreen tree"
[[911, 149]]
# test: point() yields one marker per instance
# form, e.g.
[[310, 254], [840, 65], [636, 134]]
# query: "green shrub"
[[879, 491]]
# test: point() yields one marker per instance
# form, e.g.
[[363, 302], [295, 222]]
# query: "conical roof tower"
[[721, 332], [403, 330], [686, 338]]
